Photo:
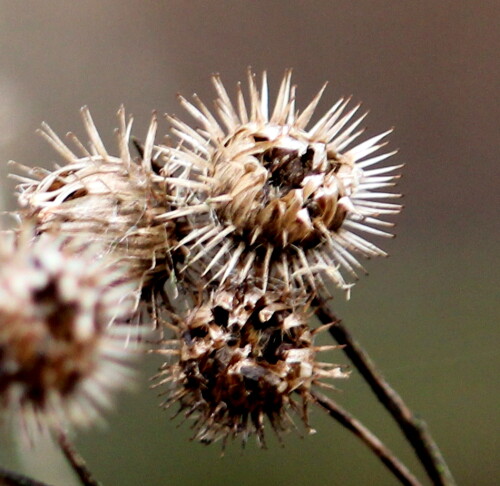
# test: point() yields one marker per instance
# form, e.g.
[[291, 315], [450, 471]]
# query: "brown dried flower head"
[[270, 197], [114, 200], [242, 357], [63, 332]]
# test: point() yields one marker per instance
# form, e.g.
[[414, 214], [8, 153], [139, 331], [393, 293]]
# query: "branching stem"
[[414, 429], [75, 460], [357, 428]]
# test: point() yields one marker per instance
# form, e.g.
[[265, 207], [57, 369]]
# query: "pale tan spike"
[[368, 146], [303, 119], [331, 115], [78, 144], [149, 143], [123, 136], [215, 128], [194, 112], [95, 138], [54, 140], [279, 112], [376, 159], [383, 170], [324, 328], [224, 97], [220, 254], [332, 130], [241, 105], [254, 98], [340, 141], [264, 98]]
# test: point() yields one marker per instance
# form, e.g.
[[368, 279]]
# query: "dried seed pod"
[[275, 198], [63, 331], [240, 358], [114, 200]]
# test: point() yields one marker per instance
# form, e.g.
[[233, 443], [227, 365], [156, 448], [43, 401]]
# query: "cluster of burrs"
[[223, 239]]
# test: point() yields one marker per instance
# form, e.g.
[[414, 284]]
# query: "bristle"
[[244, 353], [287, 197], [63, 330]]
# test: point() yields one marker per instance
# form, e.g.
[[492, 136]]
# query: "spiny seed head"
[[243, 357], [114, 200], [63, 331], [275, 197]]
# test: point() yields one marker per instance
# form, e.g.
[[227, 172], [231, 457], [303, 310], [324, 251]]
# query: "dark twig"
[[414, 429], [357, 428], [10, 478], [76, 460]]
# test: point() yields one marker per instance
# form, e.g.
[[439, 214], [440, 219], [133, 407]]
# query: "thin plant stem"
[[75, 460], [357, 428], [413, 428], [10, 478]]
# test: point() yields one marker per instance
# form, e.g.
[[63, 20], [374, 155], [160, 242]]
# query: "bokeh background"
[[427, 315]]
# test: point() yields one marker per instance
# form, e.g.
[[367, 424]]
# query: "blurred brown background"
[[428, 315]]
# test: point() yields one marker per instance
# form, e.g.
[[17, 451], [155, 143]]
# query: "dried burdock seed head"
[[276, 197], [114, 200], [240, 359], [64, 335]]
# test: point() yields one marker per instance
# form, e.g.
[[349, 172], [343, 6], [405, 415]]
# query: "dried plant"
[[114, 200], [268, 197], [232, 237], [240, 358], [63, 331]]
